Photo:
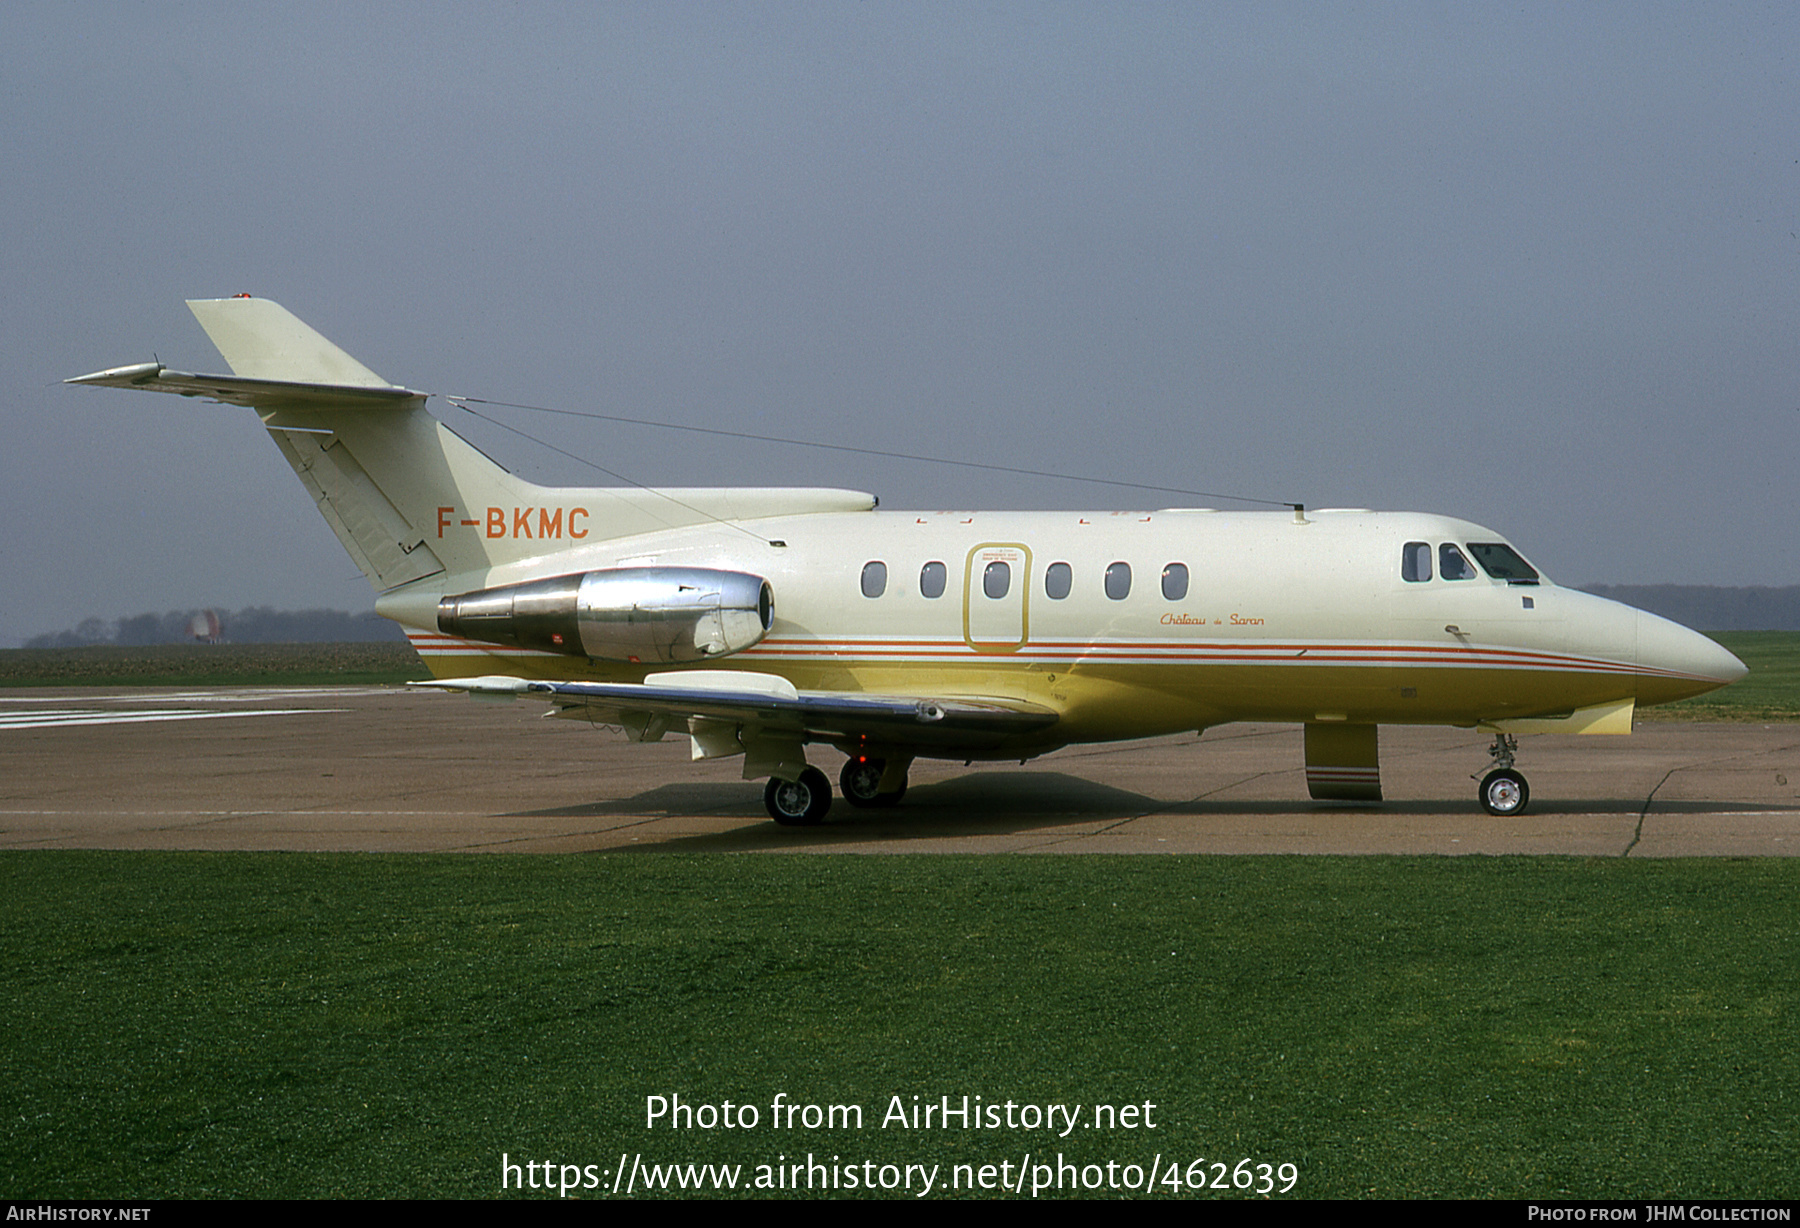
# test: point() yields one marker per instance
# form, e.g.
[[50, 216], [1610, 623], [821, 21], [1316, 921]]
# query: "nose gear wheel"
[[1503, 791]]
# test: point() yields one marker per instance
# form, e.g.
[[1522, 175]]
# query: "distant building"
[[204, 627]]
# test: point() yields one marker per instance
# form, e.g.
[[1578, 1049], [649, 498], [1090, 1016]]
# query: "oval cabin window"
[[996, 580], [1118, 581], [874, 579], [1175, 581]]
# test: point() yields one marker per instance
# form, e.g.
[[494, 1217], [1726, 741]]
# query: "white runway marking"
[[47, 719], [236, 814], [49, 711], [228, 695]]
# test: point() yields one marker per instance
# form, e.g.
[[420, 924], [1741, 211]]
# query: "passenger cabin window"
[[1175, 581], [1058, 578], [1118, 581], [874, 579], [1502, 562], [996, 579], [1415, 562], [931, 580], [1452, 565]]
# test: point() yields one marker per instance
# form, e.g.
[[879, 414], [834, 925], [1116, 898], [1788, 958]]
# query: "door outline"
[[993, 617]]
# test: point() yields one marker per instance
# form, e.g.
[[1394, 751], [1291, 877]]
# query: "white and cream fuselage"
[[953, 634], [1282, 619]]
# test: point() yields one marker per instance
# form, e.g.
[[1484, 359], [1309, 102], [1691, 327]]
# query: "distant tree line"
[[252, 625]]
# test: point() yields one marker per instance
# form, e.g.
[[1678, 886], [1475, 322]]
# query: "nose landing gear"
[[1503, 791]]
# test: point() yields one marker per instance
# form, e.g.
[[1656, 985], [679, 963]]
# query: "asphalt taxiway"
[[397, 769]]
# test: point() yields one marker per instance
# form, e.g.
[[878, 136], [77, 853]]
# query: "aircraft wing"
[[769, 706]]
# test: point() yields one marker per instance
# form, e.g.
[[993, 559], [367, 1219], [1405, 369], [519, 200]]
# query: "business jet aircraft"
[[759, 621]]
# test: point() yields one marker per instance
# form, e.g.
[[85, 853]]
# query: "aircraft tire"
[[798, 803], [860, 782], [1504, 793]]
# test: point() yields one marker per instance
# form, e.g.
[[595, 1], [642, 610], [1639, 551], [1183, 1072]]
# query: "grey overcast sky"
[[1534, 265]]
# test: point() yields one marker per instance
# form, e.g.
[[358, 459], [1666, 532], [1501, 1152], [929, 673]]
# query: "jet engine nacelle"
[[648, 614]]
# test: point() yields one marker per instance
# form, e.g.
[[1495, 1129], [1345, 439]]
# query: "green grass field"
[[291, 1025], [1770, 692], [211, 665], [189, 1025]]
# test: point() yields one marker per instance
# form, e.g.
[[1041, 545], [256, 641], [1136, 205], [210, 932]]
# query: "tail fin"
[[406, 495], [261, 339], [383, 472]]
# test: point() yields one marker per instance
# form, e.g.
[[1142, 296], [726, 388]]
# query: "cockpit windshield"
[[1502, 562]]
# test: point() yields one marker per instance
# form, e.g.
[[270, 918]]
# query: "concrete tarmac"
[[393, 769]]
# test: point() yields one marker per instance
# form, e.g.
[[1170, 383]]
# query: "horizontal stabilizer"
[[241, 390]]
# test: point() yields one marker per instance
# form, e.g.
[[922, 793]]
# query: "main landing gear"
[[798, 803], [1503, 791], [861, 782], [806, 801]]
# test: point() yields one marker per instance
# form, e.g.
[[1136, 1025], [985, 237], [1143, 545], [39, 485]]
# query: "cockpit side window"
[[1452, 565], [1502, 562], [1415, 562]]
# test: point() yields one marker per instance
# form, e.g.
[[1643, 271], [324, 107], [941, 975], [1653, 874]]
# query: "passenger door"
[[997, 597]]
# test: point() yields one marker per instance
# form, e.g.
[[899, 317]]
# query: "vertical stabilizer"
[[261, 339], [406, 495]]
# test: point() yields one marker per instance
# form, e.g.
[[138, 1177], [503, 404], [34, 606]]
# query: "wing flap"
[[775, 708]]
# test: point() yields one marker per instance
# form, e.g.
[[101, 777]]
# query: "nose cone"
[[1676, 663]]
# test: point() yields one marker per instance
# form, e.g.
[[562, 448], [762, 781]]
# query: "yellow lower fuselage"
[[1279, 619]]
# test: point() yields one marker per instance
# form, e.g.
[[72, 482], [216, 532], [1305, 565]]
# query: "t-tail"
[[407, 496]]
